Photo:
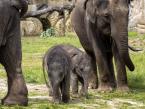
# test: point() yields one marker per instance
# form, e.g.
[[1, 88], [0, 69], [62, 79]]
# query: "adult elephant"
[[10, 50], [102, 27]]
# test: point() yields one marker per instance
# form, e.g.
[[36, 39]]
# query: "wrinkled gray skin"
[[20, 5], [10, 50], [102, 27], [83, 71], [58, 66]]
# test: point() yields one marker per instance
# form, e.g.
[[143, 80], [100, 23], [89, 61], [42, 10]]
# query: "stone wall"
[[59, 21], [31, 27], [62, 24]]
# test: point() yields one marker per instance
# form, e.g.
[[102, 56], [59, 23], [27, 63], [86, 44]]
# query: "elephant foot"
[[75, 95], [65, 99], [75, 92], [105, 88], [50, 93], [57, 101], [94, 86], [83, 94], [113, 84], [15, 100], [123, 88]]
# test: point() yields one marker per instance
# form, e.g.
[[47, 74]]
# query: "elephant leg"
[[86, 85], [65, 89], [103, 68], [104, 71], [82, 92], [101, 61], [122, 84], [104, 83], [112, 74], [50, 90], [74, 83], [94, 78], [10, 57], [98, 46], [56, 93]]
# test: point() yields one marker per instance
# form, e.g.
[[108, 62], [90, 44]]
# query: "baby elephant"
[[84, 70], [57, 63]]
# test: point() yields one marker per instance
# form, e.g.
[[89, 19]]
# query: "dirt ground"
[[40, 93]]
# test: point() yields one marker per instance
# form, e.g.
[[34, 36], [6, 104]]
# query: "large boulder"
[[59, 21], [136, 13], [31, 27], [60, 27], [53, 18], [68, 24]]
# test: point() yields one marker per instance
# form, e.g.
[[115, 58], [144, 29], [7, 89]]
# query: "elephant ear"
[[16, 3], [90, 8], [21, 5]]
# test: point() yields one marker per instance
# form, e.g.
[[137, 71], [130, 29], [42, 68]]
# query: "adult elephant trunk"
[[120, 35]]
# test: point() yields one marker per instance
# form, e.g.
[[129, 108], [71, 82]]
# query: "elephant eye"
[[106, 14]]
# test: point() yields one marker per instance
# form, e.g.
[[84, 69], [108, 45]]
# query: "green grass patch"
[[33, 51], [133, 34]]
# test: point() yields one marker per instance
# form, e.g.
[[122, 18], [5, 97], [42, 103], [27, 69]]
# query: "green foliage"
[[133, 35], [50, 32]]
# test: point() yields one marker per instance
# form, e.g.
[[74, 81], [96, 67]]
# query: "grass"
[[132, 34], [33, 51]]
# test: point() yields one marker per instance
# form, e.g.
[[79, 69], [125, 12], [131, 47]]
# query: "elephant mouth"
[[106, 31]]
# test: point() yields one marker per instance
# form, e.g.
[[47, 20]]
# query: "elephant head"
[[21, 5], [114, 12]]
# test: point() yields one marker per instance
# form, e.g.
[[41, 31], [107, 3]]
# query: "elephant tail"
[[45, 69], [134, 49]]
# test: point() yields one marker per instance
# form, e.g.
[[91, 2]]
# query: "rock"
[[136, 12], [69, 27], [141, 26], [141, 31], [31, 27], [68, 24], [53, 18], [60, 27], [58, 23]]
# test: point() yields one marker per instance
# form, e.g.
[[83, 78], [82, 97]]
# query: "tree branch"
[[49, 9]]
